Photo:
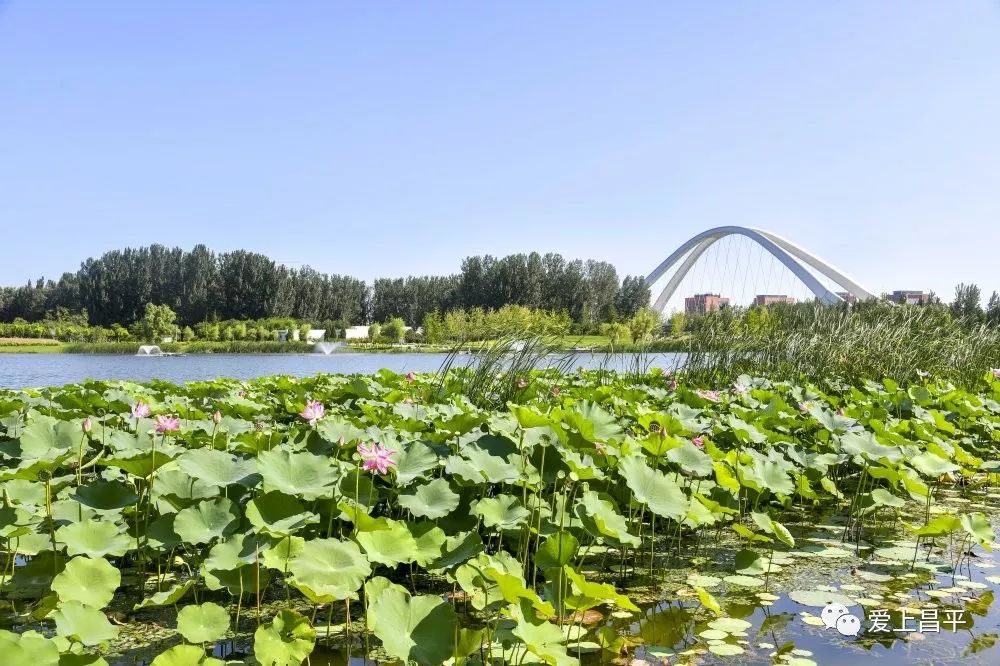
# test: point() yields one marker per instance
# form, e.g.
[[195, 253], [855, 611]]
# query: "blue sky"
[[386, 138]]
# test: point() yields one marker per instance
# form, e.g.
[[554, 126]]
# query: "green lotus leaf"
[[587, 594], [203, 623], [413, 461], [820, 598], [28, 649], [94, 538], [434, 499], [83, 624], [46, 438], [601, 519], [978, 526], [750, 563], [430, 540], [653, 488], [882, 497], [390, 545], [176, 490], [771, 526], [207, 520], [502, 511], [287, 641], [931, 465], [479, 465], [186, 655], [278, 514], [280, 555], [592, 422], [297, 473], [540, 638], [168, 597], [457, 550], [866, 445], [91, 582], [691, 459], [105, 495], [218, 468], [330, 568], [416, 629], [141, 462], [557, 551]]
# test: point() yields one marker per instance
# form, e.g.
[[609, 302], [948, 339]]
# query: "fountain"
[[327, 347], [149, 350]]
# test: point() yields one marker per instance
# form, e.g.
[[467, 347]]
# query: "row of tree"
[[200, 285]]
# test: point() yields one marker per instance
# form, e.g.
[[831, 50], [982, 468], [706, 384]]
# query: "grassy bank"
[[29, 345], [234, 347]]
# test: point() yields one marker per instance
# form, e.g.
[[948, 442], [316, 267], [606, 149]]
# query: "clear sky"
[[389, 138]]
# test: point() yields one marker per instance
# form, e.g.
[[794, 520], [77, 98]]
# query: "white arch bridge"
[[793, 257]]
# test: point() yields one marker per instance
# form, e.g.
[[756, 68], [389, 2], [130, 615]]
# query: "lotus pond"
[[544, 518]]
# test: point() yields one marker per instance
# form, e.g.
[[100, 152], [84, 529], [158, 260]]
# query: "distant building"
[[702, 303], [909, 297], [847, 296], [772, 299], [356, 333]]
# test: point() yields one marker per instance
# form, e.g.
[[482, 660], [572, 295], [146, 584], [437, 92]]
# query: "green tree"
[[678, 321], [188, 334], [157, 321], [966, 307], [616, 332], [993, 310], [632, 296], [644, 323], [393, 329], [433, 328]]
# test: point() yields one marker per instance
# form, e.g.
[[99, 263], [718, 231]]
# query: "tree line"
[[200, 285]]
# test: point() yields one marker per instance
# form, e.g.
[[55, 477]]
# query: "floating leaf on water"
[[744, 581], [819, 598], [729, 624], [703, 580], [713, 634], [725, 649]]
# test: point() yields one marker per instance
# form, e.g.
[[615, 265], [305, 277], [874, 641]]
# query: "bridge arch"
[[789, 254]]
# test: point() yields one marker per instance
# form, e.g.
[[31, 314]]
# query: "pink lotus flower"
[[521, 382], [740, 389], [87, 424], [313, 411], [698, 441], [996, 373], [140, 410], [556, 390], [376, 457], [840, 412], [216, 417], [804, 406], [407, 401], [166, 424], [713, 396], [410, 377], [673, 384]]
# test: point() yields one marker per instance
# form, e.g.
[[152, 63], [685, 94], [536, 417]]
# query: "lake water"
[[34, 370]]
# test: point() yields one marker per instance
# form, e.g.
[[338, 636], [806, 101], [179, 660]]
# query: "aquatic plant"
[[468, 517]]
